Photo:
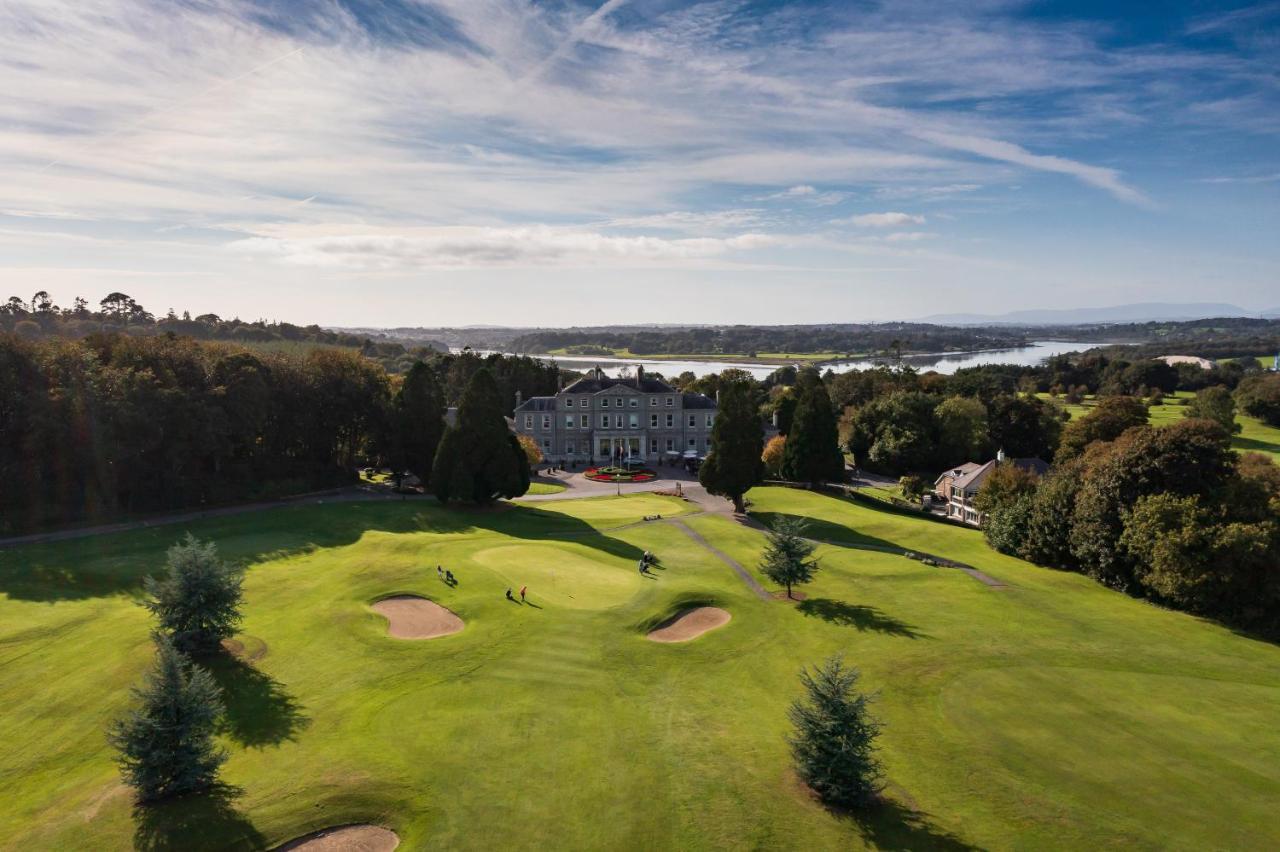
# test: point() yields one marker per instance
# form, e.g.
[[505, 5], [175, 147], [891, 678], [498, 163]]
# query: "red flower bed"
[[618, 474]]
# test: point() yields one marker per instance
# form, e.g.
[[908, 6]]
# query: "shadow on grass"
[[821, 530], [116, 563], [891, 825], [861, 617], [259, 710], [195, 822]]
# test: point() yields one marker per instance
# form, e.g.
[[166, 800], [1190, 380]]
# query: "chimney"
[[639, 374], [1000, 456], [519, 398], [717, 396], [775, 418]]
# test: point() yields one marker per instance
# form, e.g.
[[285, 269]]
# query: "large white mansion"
[[598, 419]]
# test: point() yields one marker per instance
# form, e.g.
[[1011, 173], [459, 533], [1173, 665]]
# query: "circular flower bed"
[[619, 474]]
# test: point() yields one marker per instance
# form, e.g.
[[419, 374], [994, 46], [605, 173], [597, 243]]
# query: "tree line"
[[851, 339], [111, 424]]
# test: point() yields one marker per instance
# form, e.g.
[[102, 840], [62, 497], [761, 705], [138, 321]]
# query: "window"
[[633, 420], [670, 401], [604, 447], [604, 402], [653, 445], [528, 421], [653, 421], [633, 402], [653, 400], [710, 418], [546, 444], [546, 422], [693, 420], [568, 403], [585, 402], [568, 447], [569, 421], [604, 421], [671, 444], [585, 421], [671, 420], [617, 421], [693, 443]]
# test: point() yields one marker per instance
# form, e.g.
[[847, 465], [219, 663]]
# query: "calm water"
[[949, 363]]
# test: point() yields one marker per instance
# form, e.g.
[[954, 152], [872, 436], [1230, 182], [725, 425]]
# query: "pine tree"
[[734, 464], [834, 741], [198, 601], [479, 459], [812, 452], [418, 420], [166, 744], [786, 558]]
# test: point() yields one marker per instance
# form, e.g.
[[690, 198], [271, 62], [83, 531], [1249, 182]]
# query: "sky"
[[453, 162]]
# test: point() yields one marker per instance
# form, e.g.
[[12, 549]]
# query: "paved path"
[[725, 558]]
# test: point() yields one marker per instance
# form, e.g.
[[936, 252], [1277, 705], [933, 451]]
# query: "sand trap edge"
[[337, 838], [415, 617], [689, 624]]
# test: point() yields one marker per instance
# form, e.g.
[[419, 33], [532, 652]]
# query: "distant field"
[[1255, 436], [1047, 713]]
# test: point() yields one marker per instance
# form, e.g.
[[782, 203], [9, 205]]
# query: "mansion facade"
[[599, 419]]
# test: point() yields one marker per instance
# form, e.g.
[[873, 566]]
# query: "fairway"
[[1047, 713]]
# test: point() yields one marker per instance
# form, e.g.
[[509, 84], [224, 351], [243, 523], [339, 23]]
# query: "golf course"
[[1022, 707]]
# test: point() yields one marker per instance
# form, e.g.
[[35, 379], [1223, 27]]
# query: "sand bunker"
[[690, 624], [411, 617], [347, 838]]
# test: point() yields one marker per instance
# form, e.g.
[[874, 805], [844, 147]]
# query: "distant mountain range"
[[1139, 312]]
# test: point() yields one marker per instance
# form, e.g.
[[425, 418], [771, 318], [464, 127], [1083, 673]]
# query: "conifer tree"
[[834, 740], [418, 411], [479, 459], [812, 453], [166, 744], [786, 557], [197, 602], [734, 464]]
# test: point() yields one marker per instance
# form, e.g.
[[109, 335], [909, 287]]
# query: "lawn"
[[1049, 713], [1254, 436], [545, 488]]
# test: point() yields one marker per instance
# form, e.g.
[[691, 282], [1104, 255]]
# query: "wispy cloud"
[[881, 220]]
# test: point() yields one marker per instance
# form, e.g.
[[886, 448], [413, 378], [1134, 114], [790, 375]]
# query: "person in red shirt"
[[523, 589]]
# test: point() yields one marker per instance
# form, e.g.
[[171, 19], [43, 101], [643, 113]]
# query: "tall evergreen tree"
[[786, 557], [734, 464], [812, 453], [418, 416], [166, 744], [479, 459], [198, 601], [834, 741]]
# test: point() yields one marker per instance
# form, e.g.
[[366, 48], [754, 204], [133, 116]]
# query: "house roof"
[[698, 400], [596, 383], [971, 479], [537, 403], [970, 475]]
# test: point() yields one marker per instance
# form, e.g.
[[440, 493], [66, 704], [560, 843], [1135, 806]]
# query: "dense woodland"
[[109, 424]]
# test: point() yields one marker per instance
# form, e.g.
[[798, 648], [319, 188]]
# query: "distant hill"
[[1271, 313], [1139, 312]]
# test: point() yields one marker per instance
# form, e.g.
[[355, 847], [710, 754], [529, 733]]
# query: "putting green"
[[561, 575]]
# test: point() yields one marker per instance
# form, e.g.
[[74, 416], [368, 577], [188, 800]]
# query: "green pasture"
[[1046, 713]]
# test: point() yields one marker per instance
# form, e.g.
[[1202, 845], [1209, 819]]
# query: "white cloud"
[[881, 220], [462, 247]]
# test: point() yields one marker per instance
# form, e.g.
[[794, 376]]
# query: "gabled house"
[[957, 487]]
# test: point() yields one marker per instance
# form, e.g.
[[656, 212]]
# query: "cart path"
[[725, 558]]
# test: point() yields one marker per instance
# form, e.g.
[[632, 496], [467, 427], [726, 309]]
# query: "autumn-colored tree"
[[772, 455]]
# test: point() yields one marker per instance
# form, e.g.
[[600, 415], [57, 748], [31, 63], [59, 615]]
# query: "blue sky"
[[497, 161]]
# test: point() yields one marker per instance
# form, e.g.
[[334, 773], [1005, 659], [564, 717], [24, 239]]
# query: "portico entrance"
[[616, 449]]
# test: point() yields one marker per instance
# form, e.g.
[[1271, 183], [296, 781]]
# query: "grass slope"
[[1052, 713]]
